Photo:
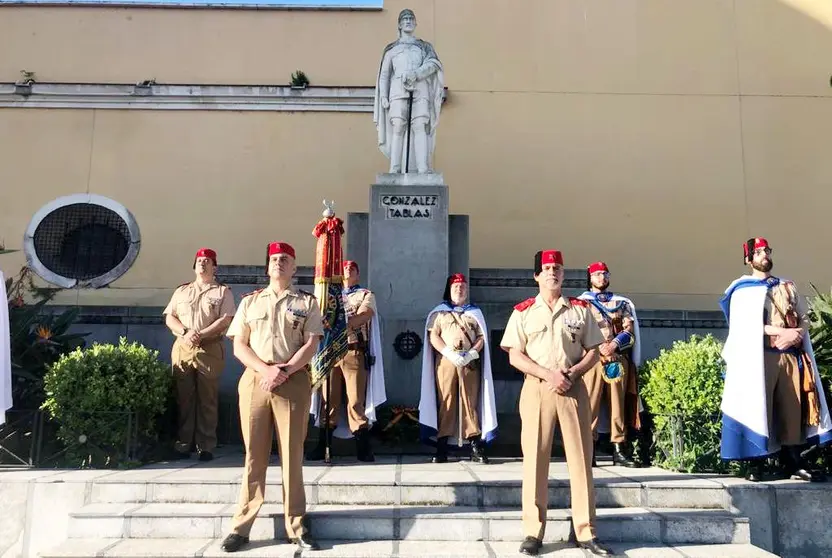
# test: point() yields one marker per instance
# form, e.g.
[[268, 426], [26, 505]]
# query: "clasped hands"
[[608, 349], [192, 338], [558, 380], [274, 376], [460, 359], [787, 338]]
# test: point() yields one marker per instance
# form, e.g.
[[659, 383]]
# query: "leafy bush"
[[106, 401], [820, 332], [38, 338], [682, 390]]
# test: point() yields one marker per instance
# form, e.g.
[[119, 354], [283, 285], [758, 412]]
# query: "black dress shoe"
[[206, 456], [478, 451], [530, 546], [622, 455], [804, 475], [595, 547], [441, 451], [233, 542], [306, 542]]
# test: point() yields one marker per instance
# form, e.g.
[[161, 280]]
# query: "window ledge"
[[188, 97]]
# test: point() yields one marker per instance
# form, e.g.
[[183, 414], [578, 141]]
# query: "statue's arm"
[[431, 63], [427, 69], [384, 75]]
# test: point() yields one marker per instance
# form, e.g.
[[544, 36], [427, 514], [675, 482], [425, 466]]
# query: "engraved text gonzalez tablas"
[[409, 207]]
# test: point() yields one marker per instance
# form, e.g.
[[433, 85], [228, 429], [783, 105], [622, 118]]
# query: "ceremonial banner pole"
[[328, 287]]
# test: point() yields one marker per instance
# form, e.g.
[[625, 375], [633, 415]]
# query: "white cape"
[[427, 403], [5, 353], [604, 413], [375, 394], [744, 393]]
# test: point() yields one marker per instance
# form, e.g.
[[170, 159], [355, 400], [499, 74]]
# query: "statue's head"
[[407, 21]]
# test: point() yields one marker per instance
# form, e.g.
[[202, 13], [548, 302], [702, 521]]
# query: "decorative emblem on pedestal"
[[407, 344]]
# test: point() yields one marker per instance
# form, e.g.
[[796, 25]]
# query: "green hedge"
[[682, 390], [105, 401]]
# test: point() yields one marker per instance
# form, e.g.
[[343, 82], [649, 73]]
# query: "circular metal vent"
[[82, 240]]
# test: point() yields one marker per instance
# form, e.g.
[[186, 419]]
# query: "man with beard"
[[773, 398], [360, 374], [198, 314], [461, 378], [554, 341], [276, 331], [613, 381]]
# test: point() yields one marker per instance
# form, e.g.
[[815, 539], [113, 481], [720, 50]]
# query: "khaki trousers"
[[448, 394], [613, 395], [540, 412], [352, 374], [784, 398], [288, 409], [196, 371]]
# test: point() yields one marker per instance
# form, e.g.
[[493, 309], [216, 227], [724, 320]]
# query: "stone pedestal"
[[406, 245]]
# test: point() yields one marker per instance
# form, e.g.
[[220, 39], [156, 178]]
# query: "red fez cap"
[[457, 278], [751, 245], [551, 257], [351, 263], [596, 267], [206, 253], [281, 248]]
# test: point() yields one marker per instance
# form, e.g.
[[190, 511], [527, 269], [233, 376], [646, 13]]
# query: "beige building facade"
[[656, 135]]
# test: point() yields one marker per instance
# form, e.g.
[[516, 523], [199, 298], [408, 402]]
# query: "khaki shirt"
[[552, 338], [617, 311], [455, 329], [278, 326], [357, 302], [197, 308], [786, 298]]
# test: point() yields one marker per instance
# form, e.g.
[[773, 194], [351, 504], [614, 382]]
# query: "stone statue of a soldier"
[[409, 66]]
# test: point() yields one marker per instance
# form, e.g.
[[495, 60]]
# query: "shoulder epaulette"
[[578, 302], [185, 284], [525, 304], [307, 293], [252, 293]]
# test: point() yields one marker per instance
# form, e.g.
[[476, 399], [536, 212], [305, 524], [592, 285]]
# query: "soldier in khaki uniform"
[[553, 341], [773, 398], [613, 381], [276, 331], [198, 314], [351, 373], [456, 403]]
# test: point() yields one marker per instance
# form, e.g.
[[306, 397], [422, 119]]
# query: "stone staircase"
[[398, 507]]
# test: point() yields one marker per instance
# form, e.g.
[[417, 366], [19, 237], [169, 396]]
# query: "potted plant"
[[299, 80], [3, 248]]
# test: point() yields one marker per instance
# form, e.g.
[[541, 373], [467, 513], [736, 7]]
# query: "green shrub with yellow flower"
[[38, 337]]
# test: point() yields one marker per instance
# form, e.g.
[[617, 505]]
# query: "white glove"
[[453, 357], [469, 357]]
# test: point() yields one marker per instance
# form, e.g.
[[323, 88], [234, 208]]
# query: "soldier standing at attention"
[[198, 314], [553, 341], [356, 373], [276, 331], [613, 381]]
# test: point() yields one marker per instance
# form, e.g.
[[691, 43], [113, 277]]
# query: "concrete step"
[[405, 523], [210, 548], [411, 482]]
